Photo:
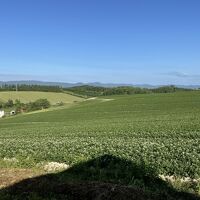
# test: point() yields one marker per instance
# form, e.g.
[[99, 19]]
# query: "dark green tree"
[[9, 104]]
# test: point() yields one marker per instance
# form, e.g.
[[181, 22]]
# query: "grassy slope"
[[26, 97], [163, 130]]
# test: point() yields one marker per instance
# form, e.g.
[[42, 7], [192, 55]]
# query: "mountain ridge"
[[97, 84]]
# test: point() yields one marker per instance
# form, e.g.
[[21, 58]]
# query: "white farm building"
[[2, 113]]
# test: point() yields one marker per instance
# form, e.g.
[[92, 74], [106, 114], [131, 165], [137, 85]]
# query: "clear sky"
[[118, 41]]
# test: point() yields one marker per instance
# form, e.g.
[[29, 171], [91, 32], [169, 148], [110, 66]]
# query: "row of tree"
[[101, 91], [88, 91], [18, 106], [23, 87]]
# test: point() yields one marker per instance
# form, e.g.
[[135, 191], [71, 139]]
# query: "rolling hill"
[[160, 128], [159, 132]]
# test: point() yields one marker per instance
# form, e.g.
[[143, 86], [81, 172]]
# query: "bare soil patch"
[[11, 176]]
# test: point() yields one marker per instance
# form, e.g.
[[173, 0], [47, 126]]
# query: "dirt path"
[[10, 176]]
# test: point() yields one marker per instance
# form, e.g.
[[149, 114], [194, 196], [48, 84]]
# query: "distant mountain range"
[[67, 85]]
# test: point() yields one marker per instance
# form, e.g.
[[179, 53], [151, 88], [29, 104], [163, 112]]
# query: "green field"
[[26, 97], [161, 130]]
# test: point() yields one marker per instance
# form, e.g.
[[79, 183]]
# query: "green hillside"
[[161, 130], [27, 96]]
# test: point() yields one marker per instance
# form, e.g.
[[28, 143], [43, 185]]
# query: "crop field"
[[161, 130], [26, 97]]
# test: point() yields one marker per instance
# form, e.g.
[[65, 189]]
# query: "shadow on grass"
[[105, 177]]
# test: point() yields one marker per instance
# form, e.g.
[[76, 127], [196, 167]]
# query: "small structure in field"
[[2, 113], [12, 112]]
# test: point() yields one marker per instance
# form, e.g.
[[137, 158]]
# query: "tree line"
[[90, 91], [125, 90], [23, 87], [19, 107]]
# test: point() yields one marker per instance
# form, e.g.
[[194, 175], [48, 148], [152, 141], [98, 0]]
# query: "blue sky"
[[118, 41]]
